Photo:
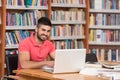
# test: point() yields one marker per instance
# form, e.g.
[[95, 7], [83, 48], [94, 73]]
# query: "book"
[[108, 74], [110, 64], [92, 4], [98, 35], [92, 19], [98, 4], [28, 3], [114, 55]]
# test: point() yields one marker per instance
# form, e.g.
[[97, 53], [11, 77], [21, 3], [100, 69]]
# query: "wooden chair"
[[11, 61]]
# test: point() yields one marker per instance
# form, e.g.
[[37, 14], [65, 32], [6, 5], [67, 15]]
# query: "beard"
[[42, 37]]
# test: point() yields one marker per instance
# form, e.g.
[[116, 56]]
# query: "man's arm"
[[52, 55], [24, 58]]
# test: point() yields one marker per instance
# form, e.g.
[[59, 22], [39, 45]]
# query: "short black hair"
[[44, 21]]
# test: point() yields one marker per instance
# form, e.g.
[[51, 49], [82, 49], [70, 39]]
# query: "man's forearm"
[[34, 64]]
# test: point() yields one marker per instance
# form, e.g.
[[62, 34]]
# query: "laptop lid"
[[69, 60]]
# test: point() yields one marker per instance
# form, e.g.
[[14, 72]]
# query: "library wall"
[[104, 30]]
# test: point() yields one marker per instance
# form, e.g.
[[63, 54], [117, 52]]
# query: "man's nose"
[[45, 32]]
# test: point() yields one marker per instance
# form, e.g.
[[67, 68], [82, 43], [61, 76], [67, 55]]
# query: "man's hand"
[[49, 63]]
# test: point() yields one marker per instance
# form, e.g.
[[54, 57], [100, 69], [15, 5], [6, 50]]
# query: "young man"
[[33, 50]]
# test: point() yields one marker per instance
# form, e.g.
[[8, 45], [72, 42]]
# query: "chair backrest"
[[91, 57], [11, 63]]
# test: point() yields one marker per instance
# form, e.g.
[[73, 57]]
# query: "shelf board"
[[29, 8], [68, 22], [20, 27], [104, 11], [66, 37], [104, 26], [11, 47], [104, 43], [68, 5]]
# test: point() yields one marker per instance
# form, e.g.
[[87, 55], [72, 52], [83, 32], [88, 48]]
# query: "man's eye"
[[48, 31], [43, 29]]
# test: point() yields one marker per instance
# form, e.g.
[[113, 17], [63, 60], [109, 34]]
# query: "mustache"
[[44, 35]]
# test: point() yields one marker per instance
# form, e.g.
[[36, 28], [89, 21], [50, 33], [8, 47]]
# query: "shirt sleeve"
[[52, 48], [23, 47]]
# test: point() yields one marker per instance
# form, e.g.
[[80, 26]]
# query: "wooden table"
[[37, 74]]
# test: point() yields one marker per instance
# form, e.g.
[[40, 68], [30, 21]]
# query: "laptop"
[[67, 61]]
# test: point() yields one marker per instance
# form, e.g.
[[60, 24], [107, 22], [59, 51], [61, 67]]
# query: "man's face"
[[43, 32]]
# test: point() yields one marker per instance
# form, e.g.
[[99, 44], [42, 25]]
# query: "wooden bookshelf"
[[104, 11], [2, 35], [65, 8], [87, 26], [20, 27], [103, 20], [30, 8], [104, 43], [11, 47], [6, 26], [68, 22], [104, 27], [25, 22], [67, 37], [14, 27]]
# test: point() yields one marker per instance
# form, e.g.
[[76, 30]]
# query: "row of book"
[[104, 35], [26, 2], [68, 44], [105, 4], [67, 30], [104, 19], [14, 37], [28, 18], [64, 44], [107, 54], [68, 1], [70, 15]]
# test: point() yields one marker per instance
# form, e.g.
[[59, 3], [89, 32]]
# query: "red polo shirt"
[[37, 52]]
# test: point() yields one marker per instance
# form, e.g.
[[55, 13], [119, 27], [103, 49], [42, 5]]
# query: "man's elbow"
[[24, 65]]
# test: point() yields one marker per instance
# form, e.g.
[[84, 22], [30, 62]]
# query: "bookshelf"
[[21, 19], [2, 37], [69, 30], [14, 20], [104, 30], [20, 22]]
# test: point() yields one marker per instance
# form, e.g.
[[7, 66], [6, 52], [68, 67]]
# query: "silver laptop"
[[67, 60]]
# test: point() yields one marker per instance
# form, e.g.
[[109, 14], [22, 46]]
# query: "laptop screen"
[[69, 60]]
